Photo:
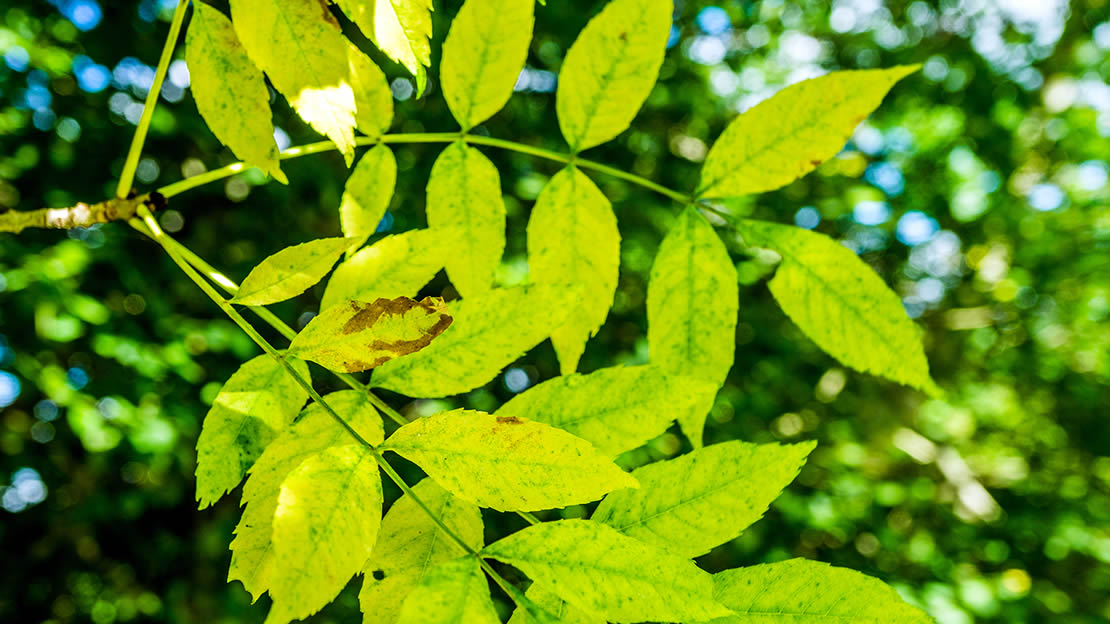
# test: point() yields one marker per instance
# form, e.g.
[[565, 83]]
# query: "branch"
[[81, 215]]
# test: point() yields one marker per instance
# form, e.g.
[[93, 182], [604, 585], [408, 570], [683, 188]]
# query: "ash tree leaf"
[[367, 194], [610, 70], [400, 28], [842, 304], [507, 464], [809, 592], [373, 97], [573, 238], [616, 409], [692, 303], [259, 401], [464, 199], [698, 501], [788, 135], [230, 92], [398, 265], [557, 608], [489, 332], [252, 550], [410, 545], [290, 271], [454, 592], [482, 57], [360, 335], [606, 574]]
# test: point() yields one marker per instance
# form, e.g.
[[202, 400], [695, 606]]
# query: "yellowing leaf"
[[397, 265], [464, 198], [610, 70], [842, 305], [616, 409], [373, 97], [360, 335], [692, 303], [809, 592], [400, 28], [410, 544], [482, 57], [478, 345], [252, 408], [367, 194], [454, 592], [698, 501], [573, 238], [788, 135], [508, 464], [557, 608], [600, 571], [230, 91], [290, 271]]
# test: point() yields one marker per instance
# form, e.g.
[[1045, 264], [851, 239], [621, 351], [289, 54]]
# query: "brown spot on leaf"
[[364, 315], [510, 420], [815, 163]]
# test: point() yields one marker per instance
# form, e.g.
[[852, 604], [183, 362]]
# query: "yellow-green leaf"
[[507, 464], [610, 70], [476, 347], [788, 135], [616, 409], [464, 199], [360, 335], [698, 501], [798, 591], [482, 57], [600, 571], [290, 271], [252, 408], [410, 544], [557, 608], [397, 265], [573, 238], [230, 91], [692, 303], [842, 304], [373, 97], [367, 194], [400, 28], [454, 592]]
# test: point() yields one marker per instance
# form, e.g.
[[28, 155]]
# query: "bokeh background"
[[979, 191]]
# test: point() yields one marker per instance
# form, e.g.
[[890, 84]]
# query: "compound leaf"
[[482, 57], [367, 194], [557, 608], [842, 304], [507, 464], [600, 571], [610, 70], [400, 28], [454, 592], [251, 409], [290, 271], [230, 91], [698, 501], [397, 265], [788, 135], [573, 238]]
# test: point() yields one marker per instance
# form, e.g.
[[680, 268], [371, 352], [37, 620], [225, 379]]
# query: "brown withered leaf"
[[358, 335]]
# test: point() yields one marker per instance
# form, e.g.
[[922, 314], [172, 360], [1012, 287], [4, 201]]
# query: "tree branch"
[[81, 215]]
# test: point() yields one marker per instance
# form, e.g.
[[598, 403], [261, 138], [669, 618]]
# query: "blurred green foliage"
[[978, 190]]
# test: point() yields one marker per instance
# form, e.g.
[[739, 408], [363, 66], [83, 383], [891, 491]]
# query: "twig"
[[81, 215]]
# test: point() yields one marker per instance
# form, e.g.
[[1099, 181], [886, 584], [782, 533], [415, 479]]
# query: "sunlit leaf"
[[454, 592], [400, 28], [290, 271], [560, 611], [367, 194], [396, 266]]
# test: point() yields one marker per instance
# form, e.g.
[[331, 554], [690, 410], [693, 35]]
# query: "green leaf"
[[230, 91], [507, 464], [698, 501], [373, 97], [367, 194], [616, 409], [290, 271], [692, 303], [557, 608], [360, 335], [252, 408], [482, 57], [788, 135], [842, 304], [808, 592], [464, 199], [400, 28], [410, 544], [573, 238], [611, 69], [454, 592], [396, 266], [602, 572], [476, 347]]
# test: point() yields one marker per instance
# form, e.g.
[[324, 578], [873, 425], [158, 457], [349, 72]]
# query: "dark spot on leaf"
[[510, 420], [378, 575], [623, 36], [815, 163]]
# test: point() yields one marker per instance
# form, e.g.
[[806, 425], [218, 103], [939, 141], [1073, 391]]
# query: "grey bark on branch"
[[80, 215]]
